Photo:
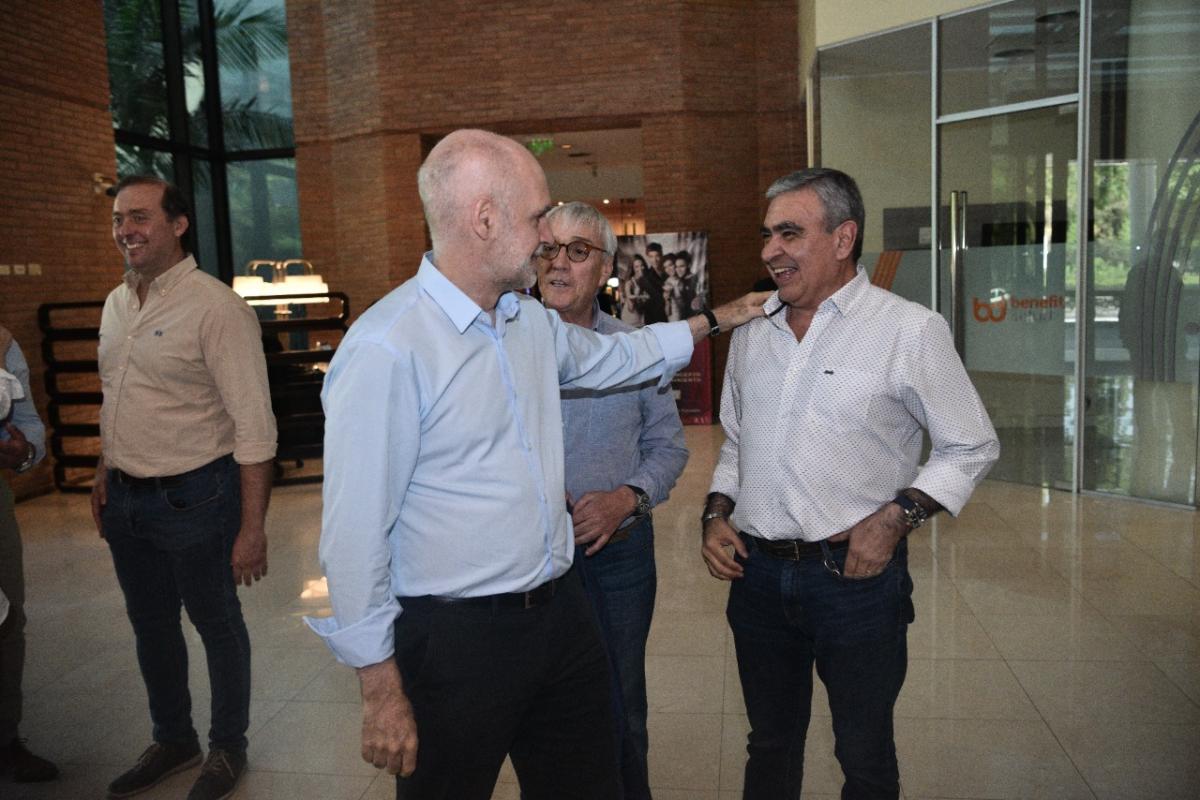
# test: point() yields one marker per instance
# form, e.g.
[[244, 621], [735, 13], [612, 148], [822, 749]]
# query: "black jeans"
[[171, 546], [788, 615], [529, 683]]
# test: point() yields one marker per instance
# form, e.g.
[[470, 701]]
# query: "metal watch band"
[[643, 500], [914, 513]]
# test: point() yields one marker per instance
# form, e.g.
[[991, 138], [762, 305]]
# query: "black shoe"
[[219, 775], [24, 766], [158, 762]]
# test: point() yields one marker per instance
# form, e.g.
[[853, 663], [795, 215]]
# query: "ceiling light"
[[606, 201]]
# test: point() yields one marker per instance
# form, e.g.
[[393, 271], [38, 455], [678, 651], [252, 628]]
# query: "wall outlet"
[[35, 269], [18, 269]]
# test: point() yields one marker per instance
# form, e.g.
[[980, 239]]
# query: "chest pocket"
[[842, 401]]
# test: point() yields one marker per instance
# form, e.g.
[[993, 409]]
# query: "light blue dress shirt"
[[24, 415], [444, 450]]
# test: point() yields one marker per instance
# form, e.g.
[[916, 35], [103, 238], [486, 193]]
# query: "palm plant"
[[247, 39]]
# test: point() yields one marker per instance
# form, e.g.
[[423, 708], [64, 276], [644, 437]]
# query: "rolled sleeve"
[[588, 360], [372, 437], [675, 341], [234, 353], [364, 642], [942, 397]]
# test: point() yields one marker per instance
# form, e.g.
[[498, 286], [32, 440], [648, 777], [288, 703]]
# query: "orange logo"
[[994, 311], [1024, 309]]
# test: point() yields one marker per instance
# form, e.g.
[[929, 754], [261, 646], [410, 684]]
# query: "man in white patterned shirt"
[[824, 407]]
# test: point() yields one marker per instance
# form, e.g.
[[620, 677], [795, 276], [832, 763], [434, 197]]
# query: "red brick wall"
[[712, 83], [55, 132]]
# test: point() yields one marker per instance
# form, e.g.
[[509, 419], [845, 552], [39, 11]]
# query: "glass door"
[[1007, 140], [1007, 275]]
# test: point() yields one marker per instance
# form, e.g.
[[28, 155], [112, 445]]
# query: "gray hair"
[[577, 213], [838, 193]]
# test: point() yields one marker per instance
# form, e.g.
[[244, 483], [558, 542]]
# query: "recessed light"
[[606, 201], [565, 146]]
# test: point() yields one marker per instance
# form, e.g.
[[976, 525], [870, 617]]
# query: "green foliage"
[[137, 73]]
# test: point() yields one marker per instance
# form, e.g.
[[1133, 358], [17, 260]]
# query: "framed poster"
[[663, 277]]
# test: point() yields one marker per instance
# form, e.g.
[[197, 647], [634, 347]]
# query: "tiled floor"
[[1056, 654]]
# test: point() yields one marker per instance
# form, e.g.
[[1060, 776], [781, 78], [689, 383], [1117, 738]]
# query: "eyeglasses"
[[576, 251]]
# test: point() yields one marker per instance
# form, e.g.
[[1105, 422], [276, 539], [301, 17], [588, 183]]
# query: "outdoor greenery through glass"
[[255, 117]]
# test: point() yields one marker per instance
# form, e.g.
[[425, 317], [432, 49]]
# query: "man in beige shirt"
[[181, 492]]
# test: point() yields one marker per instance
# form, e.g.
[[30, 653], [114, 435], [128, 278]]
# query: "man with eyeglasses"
[[624, 451], [825, 407], [446, 538]]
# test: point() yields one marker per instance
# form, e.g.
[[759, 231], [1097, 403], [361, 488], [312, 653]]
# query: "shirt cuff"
[[675, 341], [366, 642], [254, 452], [946, 484]]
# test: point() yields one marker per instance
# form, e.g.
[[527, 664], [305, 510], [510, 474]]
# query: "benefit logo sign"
[[1018, 309]]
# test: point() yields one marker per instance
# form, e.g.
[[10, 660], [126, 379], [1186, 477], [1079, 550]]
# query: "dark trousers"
[[621, 582], [787, 616], [530, 683], [171, 545], [12, 630]]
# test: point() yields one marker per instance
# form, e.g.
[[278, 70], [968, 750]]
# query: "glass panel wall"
[[200, 92], [1144, 356], [875, 94], [1007, 128], [256, 88], [1009, 53], [264, 210]]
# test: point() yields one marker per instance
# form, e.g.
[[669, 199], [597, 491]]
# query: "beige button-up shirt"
[[184, 377]]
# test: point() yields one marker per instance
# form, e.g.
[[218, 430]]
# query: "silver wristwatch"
[[914, 513], [30, 457]]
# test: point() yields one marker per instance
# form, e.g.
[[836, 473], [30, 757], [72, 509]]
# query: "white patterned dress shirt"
[[821, 432]]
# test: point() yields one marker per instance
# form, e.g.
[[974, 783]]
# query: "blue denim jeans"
[[621, 581], [171, 546], [787, 616]]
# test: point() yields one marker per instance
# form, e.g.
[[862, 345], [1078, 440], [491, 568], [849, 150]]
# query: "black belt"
[[162, 481], [794, 549], [537, 596]]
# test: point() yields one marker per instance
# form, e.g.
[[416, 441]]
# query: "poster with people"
[[663, 277]]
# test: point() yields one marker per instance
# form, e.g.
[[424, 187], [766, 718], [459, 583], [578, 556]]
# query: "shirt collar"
[[454, 303], [596, 315], [165, 282], [842, 300]]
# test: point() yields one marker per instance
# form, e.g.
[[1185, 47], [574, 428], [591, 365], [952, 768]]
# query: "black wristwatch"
[[914, 513], [643, 501]]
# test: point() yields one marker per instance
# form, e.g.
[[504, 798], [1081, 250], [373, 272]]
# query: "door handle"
[[958, 252]]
